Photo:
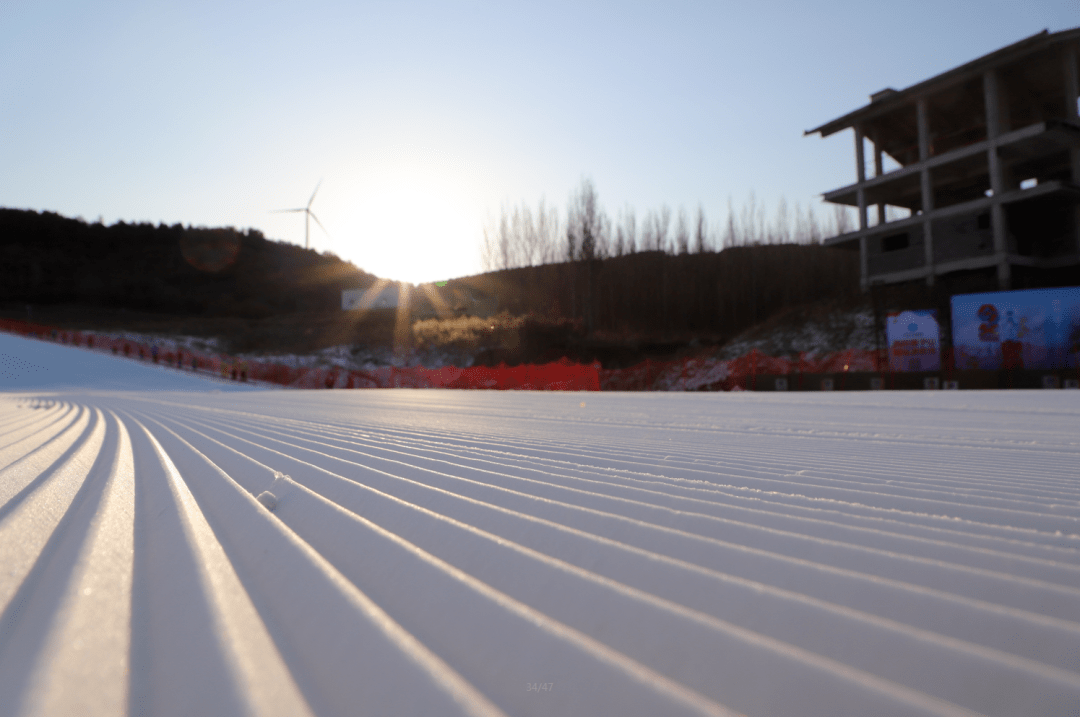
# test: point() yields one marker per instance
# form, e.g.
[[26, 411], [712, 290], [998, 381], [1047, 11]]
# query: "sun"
[[415, 222]]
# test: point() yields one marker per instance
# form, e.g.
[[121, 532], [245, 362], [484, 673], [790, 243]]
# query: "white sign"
[[351, 299], [385, 298], [914, 341]]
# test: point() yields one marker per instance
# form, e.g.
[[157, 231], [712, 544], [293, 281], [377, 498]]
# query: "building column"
[[922, 121], [997, 183], [860, 198], [877, 173], [860, 172], [1072, 91], [864, 266]]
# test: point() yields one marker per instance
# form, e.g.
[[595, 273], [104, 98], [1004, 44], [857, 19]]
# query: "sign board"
[[1032, 328], [914, 341], [352, 299], [384, 298]]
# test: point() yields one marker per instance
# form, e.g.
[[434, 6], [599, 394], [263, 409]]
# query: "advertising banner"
[[1032, 328], [352, 299], [914, 341]]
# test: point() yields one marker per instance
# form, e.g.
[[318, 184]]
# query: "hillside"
[[252, 295], [190, 271], [659, 296]]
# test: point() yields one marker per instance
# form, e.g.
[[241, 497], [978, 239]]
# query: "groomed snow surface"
[[410, 552]]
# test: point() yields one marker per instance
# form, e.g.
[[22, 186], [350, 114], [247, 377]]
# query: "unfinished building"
[[984, 172]]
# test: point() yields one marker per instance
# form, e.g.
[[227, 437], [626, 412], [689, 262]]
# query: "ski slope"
[[27, 365], [512, 553]]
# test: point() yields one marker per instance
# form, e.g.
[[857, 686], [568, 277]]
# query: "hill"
[[49, 259], [656, 304], [255, 295]]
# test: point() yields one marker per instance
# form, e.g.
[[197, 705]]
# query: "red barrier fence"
[[692, 374]]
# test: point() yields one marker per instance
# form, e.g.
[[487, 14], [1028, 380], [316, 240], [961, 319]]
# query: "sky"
[[422, 120]]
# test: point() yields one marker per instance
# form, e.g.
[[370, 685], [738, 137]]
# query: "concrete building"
[[983, 176]]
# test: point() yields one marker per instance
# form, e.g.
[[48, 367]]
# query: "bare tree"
[[663, 225], [799, 227], [587, 228], [586, 224], [682, 233], [730, 237], [618, 244], [497, 251], [547, 232], [629, 227], [521, 237], [657, 224], [648, 242], [749, 223], [809, 230], [488, 256], [624, 234], [842, 223], [781, 231], [701, 240]]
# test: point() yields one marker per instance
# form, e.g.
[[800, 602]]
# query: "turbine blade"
[[280, 211], [314, 193], [312, 215]]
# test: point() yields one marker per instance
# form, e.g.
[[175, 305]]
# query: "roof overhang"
[[890, 101]]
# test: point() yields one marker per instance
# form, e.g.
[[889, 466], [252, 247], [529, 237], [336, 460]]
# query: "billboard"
[[352, 299], [914, 342], [1032, 328], [384, 297]]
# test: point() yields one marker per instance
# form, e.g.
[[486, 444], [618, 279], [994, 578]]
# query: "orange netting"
[[691, 374]]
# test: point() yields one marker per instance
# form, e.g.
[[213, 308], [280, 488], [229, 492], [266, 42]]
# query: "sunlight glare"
[[413, 221]]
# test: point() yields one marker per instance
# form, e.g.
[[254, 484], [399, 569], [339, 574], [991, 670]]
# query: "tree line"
[[527, 236], [669, 274], [670, 296], [193, 271]]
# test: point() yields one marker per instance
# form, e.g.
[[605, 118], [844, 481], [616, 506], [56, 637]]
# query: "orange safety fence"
[[689, 374]]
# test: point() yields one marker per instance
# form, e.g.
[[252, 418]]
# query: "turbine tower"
[[308, 215]]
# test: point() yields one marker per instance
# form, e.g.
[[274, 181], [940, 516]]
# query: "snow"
[[486, 553], [793, 334], [27, 364], [351, 357]]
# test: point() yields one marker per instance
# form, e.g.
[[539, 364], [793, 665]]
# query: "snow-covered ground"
[[820, 332], [28, 364], [489, 553], [797, 333], [364, 358], [351, 357]]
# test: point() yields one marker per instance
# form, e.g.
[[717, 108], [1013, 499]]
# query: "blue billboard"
[[1033, 328]]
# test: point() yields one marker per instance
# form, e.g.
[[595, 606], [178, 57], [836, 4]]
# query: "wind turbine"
[[308, 215]]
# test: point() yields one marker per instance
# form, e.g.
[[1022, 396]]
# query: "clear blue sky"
[[423, 118]]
